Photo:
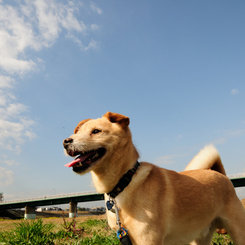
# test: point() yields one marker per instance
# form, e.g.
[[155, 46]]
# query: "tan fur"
[[160, 206]]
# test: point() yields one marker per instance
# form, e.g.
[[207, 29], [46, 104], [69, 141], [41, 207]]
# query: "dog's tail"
[[207, 158]]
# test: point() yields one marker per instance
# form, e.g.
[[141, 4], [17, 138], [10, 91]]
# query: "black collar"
[[124, 181]]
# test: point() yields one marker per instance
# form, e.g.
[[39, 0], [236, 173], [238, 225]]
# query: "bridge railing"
[[237, 182], [50, 197]]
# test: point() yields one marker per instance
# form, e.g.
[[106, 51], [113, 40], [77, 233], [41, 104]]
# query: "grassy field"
[[60, 231]]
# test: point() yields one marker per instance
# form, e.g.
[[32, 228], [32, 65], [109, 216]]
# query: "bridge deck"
[[52, 200], [76, 197]]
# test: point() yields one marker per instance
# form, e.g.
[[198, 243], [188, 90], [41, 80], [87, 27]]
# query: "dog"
[[156, 206]]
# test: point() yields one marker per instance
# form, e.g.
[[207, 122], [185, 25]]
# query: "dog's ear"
[[117, 118], [79, 125]]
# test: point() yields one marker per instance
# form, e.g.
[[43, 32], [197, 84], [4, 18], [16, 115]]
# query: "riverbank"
[[19, 214], [6, 225]]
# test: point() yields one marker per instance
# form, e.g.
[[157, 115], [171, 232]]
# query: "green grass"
[[35, 232], [91, 232], [222, 240]]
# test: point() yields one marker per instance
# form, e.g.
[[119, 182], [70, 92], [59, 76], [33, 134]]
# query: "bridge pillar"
[[73, 210], [30, 212]]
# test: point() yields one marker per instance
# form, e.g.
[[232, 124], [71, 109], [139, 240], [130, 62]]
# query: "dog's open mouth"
[[85, 159]]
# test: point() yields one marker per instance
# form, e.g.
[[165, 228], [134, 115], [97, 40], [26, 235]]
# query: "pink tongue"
[[79, 159]]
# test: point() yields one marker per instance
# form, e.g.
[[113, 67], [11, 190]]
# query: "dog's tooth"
[[94, 156]]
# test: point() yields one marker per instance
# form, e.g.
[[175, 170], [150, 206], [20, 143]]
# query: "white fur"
[[204, 159]]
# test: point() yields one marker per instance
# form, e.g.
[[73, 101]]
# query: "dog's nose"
[[67, 141]]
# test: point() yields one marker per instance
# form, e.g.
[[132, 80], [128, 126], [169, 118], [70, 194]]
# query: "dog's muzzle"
[[84, 159], [67, 142]]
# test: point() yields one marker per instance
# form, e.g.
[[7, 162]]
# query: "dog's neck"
[[124, 181], [106, 178]]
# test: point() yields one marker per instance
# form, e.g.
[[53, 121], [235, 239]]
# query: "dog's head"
[[95, 142]]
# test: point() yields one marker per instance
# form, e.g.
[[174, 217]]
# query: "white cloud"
[[92, 44], [228, 135], [31, 25], [15, 127], [95, 8], [15, 35], [94, 27], [14, 133], [6, 82], [164, 160], [52, 16], [9, 162], [168, 159], [15, 108], [234, 91], [5, 98], [238, 175], [36, 24], [6, 177]]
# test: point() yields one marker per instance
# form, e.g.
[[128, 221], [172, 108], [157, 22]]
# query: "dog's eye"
[[96, 131]]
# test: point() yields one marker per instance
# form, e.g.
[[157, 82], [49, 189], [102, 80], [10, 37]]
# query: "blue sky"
[[176, 68]]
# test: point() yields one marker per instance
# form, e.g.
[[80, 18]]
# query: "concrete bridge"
[[31, 204]]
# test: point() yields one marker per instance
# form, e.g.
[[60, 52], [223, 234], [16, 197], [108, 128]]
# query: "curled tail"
[[207, 158]]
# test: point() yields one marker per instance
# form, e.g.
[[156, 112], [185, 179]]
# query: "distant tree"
[[81, 209]]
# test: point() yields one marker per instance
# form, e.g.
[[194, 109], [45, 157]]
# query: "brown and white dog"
[[159, 206]]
